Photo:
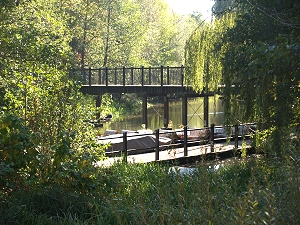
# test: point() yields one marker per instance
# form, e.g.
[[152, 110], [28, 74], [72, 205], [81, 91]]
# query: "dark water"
[[156, 113]]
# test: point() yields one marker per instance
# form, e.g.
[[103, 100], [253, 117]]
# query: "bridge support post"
[[166, 111], [144, 105], [184, 110], [206, 110]]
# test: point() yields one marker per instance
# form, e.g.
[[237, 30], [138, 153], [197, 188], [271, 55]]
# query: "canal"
[[156, 114]]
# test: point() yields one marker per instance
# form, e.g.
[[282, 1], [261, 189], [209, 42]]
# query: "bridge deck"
[[146, 89]]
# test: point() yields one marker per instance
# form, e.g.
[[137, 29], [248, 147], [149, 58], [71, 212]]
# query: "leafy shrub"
[[25, 161], [16, 151]]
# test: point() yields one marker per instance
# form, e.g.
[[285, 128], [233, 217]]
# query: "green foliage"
[[242, 191], [51, 143], [50, 204], [124, 33], [203, 60], [253, 52], [72, 168], [39, 42], [16, 151], [25, 159]]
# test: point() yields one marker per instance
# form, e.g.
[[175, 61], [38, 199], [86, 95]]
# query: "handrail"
[[209, 136], [122, 76]]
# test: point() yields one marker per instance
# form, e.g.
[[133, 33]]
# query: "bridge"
[[145, 81]]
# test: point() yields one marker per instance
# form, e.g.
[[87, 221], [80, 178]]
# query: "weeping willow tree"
[[254, 53], [203, 55]]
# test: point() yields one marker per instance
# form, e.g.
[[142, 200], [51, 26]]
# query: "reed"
[[249, 191]]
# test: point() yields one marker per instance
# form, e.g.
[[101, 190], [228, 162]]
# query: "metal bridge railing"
[[140, 76]]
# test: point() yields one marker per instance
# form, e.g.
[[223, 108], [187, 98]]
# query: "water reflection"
[[156, 114]]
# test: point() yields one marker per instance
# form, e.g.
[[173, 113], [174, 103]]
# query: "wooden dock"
[[195, 153]]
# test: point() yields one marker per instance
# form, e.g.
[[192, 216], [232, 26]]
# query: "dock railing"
[[183, 138]]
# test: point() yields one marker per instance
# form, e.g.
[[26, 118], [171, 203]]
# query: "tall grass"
[[253, 191]]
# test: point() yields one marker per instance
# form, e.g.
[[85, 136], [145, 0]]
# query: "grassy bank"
[[254, 191]]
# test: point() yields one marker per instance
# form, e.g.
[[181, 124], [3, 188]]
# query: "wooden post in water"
[[166, 111], [206, 110], [212, 137], [157, 145], [185, 151], [184, 110], [144, 106]]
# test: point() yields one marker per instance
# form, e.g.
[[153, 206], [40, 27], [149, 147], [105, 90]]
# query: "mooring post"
[[185, 152], [212, 137], [184, 110], [166, 111], [157, 145], [144, 106], [236, 136], [206, 111], [125, 147]]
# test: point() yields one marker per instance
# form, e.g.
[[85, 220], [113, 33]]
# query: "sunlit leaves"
[[253, 52], [204, 54], [35, 57]]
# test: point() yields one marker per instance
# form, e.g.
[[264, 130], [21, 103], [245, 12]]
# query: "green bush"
[[255, 190], [16, 151], [25, 162]]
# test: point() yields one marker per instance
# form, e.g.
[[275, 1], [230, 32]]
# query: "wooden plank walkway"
[[222, 150]]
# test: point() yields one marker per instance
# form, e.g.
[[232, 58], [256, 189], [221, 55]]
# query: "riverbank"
[[254, 191]]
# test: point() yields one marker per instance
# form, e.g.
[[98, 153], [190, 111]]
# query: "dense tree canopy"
[[42, 111], [43, 133], [124, 33], [253, 51]]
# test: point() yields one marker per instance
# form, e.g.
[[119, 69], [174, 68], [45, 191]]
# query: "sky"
[[189, 6]]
